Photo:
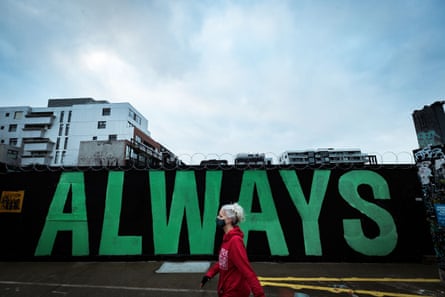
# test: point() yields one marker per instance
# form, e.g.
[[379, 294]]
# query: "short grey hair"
[[234, 212]]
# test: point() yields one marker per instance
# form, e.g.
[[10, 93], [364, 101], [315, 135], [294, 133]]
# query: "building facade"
[[56, 135], [10, 155], [252, 159], [326, 156], [429, 123]]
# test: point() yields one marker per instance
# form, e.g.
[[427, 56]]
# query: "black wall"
[[357, 214]]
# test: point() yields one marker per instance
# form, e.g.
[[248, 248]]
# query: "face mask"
[[220, 222]]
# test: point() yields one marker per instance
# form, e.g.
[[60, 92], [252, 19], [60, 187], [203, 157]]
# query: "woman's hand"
[[205, 279]]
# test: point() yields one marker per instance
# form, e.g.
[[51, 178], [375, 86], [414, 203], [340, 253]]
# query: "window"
[[13, 141], [94, 137], [12, 128], [58, 143], [62, 113], [18, 115], [56, 158], [63, 156], [65, 145], [69, 116], [67, 128], [11, 154], [101, 125], [134, 117], [112, 137], [60, 129], [2, 127], [106, 111], [7, 115]]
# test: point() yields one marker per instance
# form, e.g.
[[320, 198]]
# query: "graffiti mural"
[[431, 170], [363, 214]]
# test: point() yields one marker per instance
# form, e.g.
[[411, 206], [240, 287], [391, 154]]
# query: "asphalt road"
[[122, 279]]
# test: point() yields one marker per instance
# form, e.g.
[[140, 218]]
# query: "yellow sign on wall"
[[11, 201]]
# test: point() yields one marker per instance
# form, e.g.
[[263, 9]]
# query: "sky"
[[217, 78]]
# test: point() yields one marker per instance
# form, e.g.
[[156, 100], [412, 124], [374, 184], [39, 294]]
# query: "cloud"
[[226, 77]]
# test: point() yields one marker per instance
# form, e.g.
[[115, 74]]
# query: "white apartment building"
[[252, 159], [326, 156], [53, 135]]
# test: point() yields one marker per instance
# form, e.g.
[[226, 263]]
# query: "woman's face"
[[222, 216]]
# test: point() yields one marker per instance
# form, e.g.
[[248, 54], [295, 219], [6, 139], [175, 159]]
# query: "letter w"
[[167, 228]]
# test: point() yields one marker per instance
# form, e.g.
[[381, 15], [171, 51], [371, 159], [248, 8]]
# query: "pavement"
[[134, 279]]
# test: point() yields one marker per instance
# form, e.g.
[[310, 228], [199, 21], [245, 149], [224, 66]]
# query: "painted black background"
[[20, 232]]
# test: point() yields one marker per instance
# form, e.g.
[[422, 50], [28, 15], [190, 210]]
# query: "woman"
[[236, 276]]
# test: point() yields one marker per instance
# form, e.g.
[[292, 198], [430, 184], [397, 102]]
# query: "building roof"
[[73, 101]]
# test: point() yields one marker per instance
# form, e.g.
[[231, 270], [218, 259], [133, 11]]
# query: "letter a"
[[57, 220], [267, 220]]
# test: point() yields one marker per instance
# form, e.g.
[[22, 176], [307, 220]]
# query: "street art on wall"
[[363, 214], [431, 170], [11, 201]]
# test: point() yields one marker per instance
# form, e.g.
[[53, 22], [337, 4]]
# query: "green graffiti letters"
[[166, 227], [57, 220], [348, 186], [267, 220], [309, 210], [111, 243], [178, 202]]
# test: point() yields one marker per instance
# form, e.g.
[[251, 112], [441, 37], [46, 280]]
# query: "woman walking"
[[236, 276]]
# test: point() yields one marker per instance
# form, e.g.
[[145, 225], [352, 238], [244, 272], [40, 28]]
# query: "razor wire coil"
[[193, 162]]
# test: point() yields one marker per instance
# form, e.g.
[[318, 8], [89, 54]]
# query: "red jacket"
[[236, 276]]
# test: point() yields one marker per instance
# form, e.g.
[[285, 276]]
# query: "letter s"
[[383, 244]]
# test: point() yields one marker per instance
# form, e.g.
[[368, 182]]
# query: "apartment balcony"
[[31, 133], [40, 121], [297, 161], [40, 160], [36, 140], [141, 148], [40, 147], [39, 118]]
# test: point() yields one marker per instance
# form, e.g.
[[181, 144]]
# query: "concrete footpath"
[[122, 279]]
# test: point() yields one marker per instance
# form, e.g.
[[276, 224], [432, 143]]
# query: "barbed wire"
[[387, 157], [224, 161]]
